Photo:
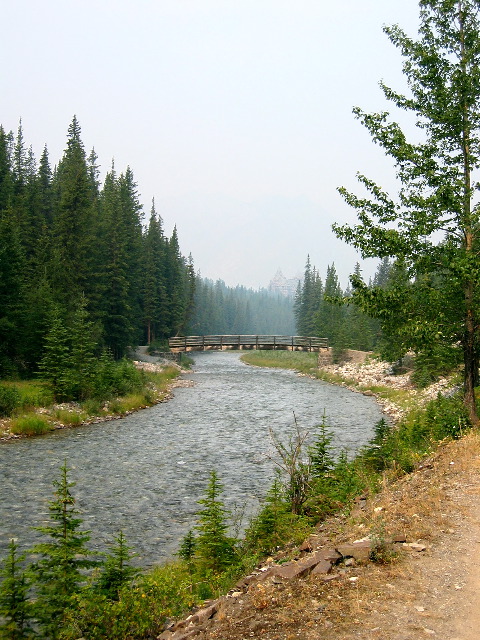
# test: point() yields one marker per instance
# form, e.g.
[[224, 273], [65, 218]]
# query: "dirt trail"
[[431, 593]]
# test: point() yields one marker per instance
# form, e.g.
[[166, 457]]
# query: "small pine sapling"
[[15, 608], [321, 452], [215, 549], [116, 570]]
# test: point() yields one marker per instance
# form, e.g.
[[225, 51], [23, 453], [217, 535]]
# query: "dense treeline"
[[78, 271], [222, 310], [322, 309]]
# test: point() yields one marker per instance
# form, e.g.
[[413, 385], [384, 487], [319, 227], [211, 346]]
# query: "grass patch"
[[27, 395], [70, 418], [30, 425], [130, 402], [302, 361]]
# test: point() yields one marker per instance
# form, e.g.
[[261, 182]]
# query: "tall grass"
[[30, 425]]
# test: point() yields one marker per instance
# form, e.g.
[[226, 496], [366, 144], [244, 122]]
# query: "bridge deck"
[[206, 343]]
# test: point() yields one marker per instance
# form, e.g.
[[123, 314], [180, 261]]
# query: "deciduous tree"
[[433, 222]]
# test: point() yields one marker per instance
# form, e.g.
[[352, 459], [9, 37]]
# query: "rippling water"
[[145, 473]]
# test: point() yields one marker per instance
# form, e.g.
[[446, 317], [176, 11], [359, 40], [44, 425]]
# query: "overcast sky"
[[236, 115]]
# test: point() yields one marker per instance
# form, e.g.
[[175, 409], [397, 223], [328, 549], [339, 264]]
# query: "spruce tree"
[[75, 221], [214, 548], [15, 607], [55, 363], [116, 569], [58, 573]]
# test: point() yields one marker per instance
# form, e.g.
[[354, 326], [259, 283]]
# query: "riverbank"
[[425, 527], [362, 373], [161, 380], [429, 586]]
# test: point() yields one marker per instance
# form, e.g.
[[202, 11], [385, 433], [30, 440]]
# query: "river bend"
[[145, 473]]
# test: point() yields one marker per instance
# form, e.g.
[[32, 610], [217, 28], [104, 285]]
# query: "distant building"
[[284, 286]]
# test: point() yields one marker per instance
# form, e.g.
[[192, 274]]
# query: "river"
[[145, 473]]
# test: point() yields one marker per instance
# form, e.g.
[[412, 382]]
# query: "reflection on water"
[[144, 473]]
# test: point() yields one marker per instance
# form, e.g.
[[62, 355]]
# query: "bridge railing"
[[312, 343]]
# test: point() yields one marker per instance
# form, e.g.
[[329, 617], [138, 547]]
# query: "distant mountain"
[[285, 286]]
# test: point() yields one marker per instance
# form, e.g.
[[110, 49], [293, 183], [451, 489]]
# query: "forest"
[[74, 250]]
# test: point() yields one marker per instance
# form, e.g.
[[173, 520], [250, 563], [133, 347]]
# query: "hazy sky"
[[236, 115]]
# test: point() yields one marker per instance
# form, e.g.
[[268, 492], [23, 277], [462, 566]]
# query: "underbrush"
[[23, 395]]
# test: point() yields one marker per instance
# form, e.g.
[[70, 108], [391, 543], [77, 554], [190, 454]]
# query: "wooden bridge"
[[223, 343]]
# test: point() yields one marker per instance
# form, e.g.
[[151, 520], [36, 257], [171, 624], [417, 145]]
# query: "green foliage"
[[188, 548], [75, 266], [294, 466], [215, 550], [320, 452], [322, 309], [57, 574], [222, 310], [432, 363], [9, 399], [15, 608], [275, 525], [431, 228], [116, 570], [30, 425], [382, 551], [55, 361]]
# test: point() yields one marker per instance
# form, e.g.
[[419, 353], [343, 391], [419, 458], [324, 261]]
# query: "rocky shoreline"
[[365, 375]]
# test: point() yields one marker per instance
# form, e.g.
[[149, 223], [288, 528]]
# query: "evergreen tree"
[[154, 295], [215, 549], [320, 452], [117, 312], [55, 363], [175, 285], [58, 571], [12, 286], [116, 569], [437, 192], [82, 352], [6, 178], [15, 608], [74, 222]]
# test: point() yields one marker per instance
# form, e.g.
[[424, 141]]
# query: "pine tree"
[[215, 549], [154, 295], [115, 303], [15, 608], [81, 355], [55, 362], [12, 286], [74, 224], [116, 569], [320, 452], [58, 573]]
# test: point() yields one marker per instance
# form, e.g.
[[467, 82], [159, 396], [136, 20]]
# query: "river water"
[[145, 473]]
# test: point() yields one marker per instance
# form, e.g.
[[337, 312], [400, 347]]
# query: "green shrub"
[[30, 425], [9, 400]]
